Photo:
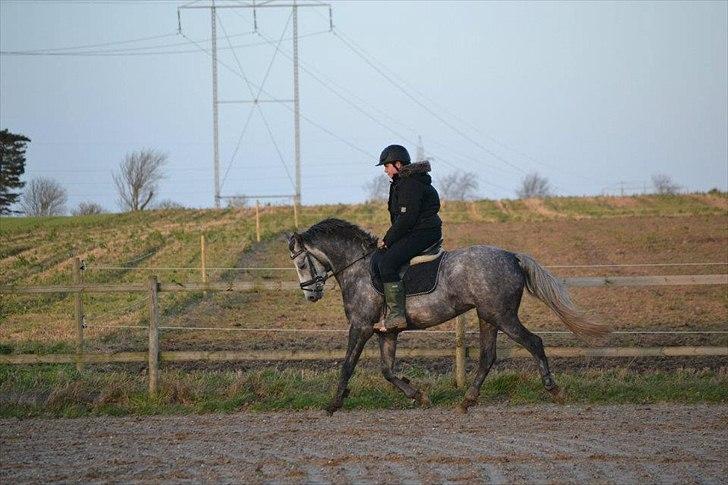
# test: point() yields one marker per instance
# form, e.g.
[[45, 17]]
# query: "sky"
[[597, 97]]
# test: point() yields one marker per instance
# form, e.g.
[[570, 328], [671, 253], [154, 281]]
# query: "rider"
[[413, 205]]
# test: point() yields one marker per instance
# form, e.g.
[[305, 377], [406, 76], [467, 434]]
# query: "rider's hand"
[[380, 244]]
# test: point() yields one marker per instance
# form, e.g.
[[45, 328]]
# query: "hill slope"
[[562, 231]]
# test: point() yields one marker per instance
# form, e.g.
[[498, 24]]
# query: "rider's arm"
[[408, 209]]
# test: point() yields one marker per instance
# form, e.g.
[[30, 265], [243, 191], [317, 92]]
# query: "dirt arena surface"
[[493, 443]]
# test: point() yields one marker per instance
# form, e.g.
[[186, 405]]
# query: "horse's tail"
[[544, 286]]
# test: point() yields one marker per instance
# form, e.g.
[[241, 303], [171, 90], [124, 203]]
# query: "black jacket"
[[413, 202]]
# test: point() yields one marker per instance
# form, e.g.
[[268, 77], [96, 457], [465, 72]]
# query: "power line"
[[369, 155], [102, 44], [442, 108], [278, 150], [424, 106], [368, 115], [373, 118], [130, 53], [255, 100]]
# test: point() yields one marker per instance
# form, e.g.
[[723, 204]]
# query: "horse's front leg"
[[388, 350], [358, 337]]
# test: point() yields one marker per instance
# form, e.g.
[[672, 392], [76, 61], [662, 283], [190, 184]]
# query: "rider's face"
[[391, 169]]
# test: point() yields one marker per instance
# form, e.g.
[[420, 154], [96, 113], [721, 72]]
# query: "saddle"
[[420, 275]]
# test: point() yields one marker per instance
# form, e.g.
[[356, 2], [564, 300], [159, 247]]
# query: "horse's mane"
[[339, 229]]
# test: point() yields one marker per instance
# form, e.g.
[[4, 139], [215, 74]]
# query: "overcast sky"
[[590, 95]]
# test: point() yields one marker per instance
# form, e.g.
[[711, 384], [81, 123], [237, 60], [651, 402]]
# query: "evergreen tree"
[[12, 166]]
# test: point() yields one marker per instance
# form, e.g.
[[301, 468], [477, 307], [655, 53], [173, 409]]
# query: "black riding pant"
[[389, 261]]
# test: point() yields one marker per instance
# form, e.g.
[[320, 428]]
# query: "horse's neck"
[[340, 254], [351, 279], [346, 262]]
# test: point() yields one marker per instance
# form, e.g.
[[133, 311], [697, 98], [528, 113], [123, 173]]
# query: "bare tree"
[[43, 197], [458, 186], [136, 182], [534, 185], [168, 204], [377, 188], [664, 185], [238, 202], [87, 208]]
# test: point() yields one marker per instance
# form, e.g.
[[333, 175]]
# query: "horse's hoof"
[[462, 408], [422, 399], [557, 395], [332, 408]]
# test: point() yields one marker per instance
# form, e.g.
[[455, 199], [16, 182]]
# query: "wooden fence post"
[[153, 335], [203, 261], [203, 258], [460, 352], [257, 220], [79, 313]]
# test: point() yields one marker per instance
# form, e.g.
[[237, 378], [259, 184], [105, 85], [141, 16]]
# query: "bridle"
[[318, 280]]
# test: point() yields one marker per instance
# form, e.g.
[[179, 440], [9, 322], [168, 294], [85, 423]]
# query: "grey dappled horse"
[[486, 278]]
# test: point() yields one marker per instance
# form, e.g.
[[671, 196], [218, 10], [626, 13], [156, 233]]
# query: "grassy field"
[[556, 231], [61, 391], [120, 248]]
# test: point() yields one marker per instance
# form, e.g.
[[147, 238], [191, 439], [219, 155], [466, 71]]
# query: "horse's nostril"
[[311, 298]]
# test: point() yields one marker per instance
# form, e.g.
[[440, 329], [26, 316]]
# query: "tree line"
[[136, 180], [461, 186], [139, 174]]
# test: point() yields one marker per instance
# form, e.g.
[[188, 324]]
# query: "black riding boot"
[[395, 298]]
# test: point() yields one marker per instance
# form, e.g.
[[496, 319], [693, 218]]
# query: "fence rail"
[[154, 356], [294, 355], [576, 282]]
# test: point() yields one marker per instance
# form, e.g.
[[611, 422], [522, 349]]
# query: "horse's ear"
[[292, 239]]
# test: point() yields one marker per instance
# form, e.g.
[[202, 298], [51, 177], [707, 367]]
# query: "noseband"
[[317, 279]]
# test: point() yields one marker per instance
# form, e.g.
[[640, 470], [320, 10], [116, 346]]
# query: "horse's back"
[[483, 268], [491, 257]]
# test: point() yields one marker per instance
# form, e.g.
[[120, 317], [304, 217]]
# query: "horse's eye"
[[301, 266]]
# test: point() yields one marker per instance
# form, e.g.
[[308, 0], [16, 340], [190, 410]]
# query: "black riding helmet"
[[394, 153]]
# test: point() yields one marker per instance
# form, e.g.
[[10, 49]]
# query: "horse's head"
[[311, 271]]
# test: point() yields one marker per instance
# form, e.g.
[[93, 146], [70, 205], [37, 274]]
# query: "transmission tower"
[[213, 7], [420, 155]]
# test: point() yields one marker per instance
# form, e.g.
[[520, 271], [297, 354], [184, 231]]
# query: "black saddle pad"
[[419, 279]]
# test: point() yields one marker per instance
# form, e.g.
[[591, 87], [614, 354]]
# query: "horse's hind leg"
[[388, 349], [488, 337], [512, 326]]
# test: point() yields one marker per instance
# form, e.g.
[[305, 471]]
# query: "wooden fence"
[[153, 356]]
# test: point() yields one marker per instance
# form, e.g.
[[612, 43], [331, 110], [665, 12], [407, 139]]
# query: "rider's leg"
[[376, 257], [390, 262]]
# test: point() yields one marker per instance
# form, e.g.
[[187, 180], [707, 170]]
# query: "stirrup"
[[381, 326]]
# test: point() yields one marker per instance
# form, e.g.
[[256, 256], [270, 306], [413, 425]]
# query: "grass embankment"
[[560, 230], [61, 391]]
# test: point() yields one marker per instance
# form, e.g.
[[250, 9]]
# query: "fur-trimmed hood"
[[415, 168]]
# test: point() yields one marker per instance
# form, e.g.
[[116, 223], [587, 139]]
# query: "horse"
[[487, 278]]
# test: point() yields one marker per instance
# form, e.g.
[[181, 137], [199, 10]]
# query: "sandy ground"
[[544, 443]]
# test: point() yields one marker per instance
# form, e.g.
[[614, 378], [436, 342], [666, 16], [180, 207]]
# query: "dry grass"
[[594, 230], [60, 391]]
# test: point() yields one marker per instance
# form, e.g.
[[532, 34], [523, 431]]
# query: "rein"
[[317, 279]]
